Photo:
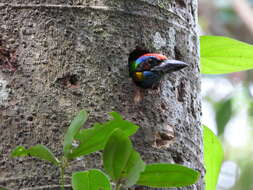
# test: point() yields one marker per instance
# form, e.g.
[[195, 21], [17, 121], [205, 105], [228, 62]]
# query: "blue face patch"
[[148, 74], [150, 79]]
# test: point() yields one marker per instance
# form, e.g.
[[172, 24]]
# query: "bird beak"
[[170, 66]]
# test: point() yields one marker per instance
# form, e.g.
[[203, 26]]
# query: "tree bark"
[[66, 55]]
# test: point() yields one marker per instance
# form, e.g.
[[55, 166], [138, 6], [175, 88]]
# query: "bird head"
[[146, 69], [158, 63]]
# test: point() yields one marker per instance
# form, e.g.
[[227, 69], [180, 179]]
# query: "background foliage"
[[227, 98]]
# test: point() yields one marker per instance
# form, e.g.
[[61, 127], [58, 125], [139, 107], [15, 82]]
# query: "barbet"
[[146, 69]]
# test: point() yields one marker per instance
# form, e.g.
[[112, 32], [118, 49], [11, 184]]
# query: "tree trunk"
[[65, 55]]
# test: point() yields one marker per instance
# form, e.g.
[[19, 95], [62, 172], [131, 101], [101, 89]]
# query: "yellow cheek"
[[138, 75]]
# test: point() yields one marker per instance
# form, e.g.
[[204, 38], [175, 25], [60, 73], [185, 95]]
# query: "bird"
[[146, 69]]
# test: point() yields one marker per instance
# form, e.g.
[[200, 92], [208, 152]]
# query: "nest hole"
[[137, 52]]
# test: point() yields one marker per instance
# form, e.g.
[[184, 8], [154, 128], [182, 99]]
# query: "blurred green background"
[[228, 99]]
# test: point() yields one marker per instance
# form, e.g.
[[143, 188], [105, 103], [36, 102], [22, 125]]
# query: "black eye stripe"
[[148, 64]]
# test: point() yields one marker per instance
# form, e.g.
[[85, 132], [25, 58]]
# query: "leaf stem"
[[118, 184], [62, 180], [63, 166]]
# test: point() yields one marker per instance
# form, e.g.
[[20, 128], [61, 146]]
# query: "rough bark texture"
[[67, 55]]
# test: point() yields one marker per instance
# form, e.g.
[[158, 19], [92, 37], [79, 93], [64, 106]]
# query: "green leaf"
[[224, 112], [90, 180], [94, 139], [213, 156], [117, 151], [39, 151], [19, 151], [121, 161], [250, 112], [220, 55], [3, 188], [245, 173], [167, 175], [73, 129], [133, 169]]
